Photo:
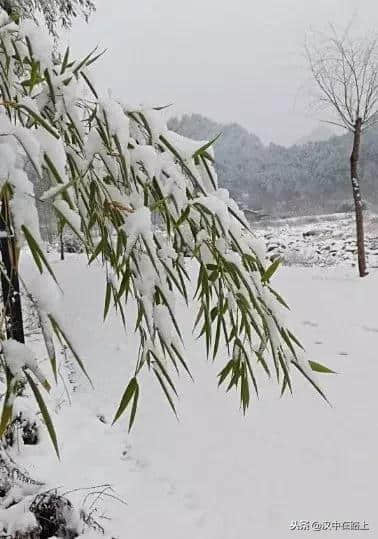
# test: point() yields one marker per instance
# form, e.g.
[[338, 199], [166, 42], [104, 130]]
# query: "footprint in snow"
[[168, 484], [191, 501], [309, 323], [370, 329], [201, 520]]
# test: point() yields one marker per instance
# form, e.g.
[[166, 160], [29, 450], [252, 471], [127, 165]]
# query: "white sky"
[[235, 60]]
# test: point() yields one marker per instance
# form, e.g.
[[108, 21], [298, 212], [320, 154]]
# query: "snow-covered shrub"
[[21, 430], [303, 257], [46, 515], [112, 168], [72, 244], [54, 12]]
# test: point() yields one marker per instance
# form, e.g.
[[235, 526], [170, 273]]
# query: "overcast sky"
[[234, 60]]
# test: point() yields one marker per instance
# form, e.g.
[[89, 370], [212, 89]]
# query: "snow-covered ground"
[[215, 474], [325, 240]]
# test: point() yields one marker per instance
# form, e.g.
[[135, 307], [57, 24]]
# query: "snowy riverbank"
[[319, 240]]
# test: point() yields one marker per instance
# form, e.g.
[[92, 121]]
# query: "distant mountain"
[[318, 134], [302, 179]]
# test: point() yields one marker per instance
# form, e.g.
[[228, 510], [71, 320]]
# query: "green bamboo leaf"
[[37, 252], [53, 169], [7, 410], [163, 107], [85, 60], [134, 407], [182, 361], [165, 391], [108, 295], [279, 298], [244, 392], [53, 193], [67, 222], [164, 373], [315, 386], [35, 255], [92, 60], [206, 146], [270, 271], [49, 84], [89, 84], [61, 334], [98, 249], [318, 367], [207, 168], [65, 60], [131, 388], [284, 386], [6, 417], [183, 217], [225, 372], [44, 411], [39, 120], [294, 339]]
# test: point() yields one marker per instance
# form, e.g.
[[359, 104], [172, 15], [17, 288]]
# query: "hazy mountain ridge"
[[308, 178], [316, 135]]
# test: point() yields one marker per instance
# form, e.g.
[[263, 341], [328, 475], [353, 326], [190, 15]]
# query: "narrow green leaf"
[[315, 386], [270, 271], [134, 407], [318, 367], [131, 388], [38, 119], [206, 146], [6, 414], [89, 84], [60, 333], [44, 411], [165, 391], [225, 371], [108, 295], [37, 252]]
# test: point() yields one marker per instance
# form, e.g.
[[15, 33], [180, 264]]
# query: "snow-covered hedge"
[[112, 167]]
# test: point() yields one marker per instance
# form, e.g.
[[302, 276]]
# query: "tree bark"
[[61, 240], [9, 280], [354, 175]]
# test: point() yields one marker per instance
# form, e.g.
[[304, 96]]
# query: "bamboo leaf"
[[318, 367], [44, 411], [206, 146], [166, 392], [131, 388], [107, 298], [61, 334], [270, 271], [134, 407], [315, 386], [39, 120], [225, 371], [37, 252], [7, 410]]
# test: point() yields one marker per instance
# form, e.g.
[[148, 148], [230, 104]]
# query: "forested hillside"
[[301, 179]]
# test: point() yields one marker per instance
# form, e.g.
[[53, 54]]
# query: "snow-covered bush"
[[53, 12], [72, 243], [112, 168]]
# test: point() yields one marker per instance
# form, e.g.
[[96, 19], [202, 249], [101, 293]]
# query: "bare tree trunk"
[[9, 278], [61, 241], [354, 160]]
